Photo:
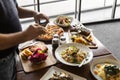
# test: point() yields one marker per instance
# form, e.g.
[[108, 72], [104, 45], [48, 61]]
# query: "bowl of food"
[[105, 69], [63, 21], [73, 54]]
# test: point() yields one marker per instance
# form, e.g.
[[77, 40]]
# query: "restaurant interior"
[[95, 16], [101, 17]]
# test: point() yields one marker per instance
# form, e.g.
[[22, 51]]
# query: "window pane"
[[59, 7], [25, 2], [91, 4], [92, 11], [109, 2], [117, 15]]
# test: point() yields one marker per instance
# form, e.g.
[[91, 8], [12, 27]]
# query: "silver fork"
[[83, 61]]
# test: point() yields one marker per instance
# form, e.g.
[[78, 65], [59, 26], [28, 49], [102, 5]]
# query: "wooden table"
[[84, 71]]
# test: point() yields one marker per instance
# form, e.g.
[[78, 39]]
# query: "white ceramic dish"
[[53, 29], [63, 25], [78, 45], [102, 61], [50, 72]]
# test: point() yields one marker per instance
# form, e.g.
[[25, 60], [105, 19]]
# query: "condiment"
[[55, 36], [62, 40], [55, 44]]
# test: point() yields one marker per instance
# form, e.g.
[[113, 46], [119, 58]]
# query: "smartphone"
[[43, 22]]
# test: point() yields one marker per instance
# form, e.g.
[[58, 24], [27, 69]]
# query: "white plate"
[[63, 25], [78, 45], [50, 72], [53, 28], [102, 61]]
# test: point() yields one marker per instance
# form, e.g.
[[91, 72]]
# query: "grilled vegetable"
[[111, 70]]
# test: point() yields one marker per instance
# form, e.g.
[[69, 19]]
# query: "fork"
[[83, 61]]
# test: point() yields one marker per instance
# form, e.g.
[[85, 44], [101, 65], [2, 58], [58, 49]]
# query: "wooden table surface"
[[84, 71]]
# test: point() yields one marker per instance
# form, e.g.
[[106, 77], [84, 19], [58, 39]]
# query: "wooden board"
[[29, 67]]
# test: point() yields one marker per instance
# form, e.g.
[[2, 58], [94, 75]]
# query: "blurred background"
[[91, 10]]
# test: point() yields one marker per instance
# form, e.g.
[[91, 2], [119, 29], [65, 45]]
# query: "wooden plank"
[[101, 50], [29, 67]]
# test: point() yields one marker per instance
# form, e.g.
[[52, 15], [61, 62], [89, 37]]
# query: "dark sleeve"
[[16, 2]]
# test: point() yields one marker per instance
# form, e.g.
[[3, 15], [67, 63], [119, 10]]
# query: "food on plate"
[[26, 53], [51, 30], [38, 56], [85, 31], [63, 20], [107, 71], [36, 53], [37, 45], [46, 36], [82, 35], [61, 76], [78, 38], [73, 55]]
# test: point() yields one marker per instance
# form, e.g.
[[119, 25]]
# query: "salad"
[[73, 55]]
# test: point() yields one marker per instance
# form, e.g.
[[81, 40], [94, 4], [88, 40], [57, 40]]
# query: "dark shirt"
[[9, 22]]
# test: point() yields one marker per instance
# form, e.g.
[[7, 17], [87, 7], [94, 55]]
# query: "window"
[[96, 10], [91, 10], [117, 15]]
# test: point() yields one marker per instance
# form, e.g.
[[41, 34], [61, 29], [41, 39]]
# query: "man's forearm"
[[25, 13], [9, 40]]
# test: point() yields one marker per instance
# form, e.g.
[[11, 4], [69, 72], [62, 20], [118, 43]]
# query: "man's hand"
[[12, 39], [33, 31], [25, 13], [39, 16]]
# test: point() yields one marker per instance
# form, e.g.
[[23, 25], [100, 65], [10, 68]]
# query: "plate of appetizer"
[[51, 30], [63, 21], [73, 54], [106, 69], [35, 52], [83, 35], [55, 73], [35, 55]]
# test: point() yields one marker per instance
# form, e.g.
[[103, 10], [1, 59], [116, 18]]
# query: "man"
[[11, 34]]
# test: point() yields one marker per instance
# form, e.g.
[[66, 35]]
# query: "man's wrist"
[[35, 13]]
